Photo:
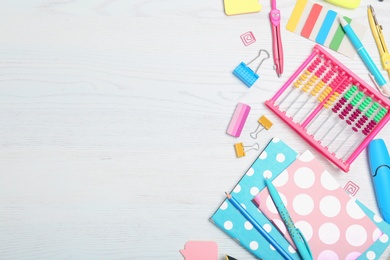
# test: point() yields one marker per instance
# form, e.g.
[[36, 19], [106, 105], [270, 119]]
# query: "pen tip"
[[342, 21], [228, 195]]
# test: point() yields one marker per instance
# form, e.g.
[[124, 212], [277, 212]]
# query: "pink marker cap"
[[238, 120]]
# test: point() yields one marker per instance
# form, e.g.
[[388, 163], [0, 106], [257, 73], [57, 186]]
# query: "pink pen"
[[277, 47]]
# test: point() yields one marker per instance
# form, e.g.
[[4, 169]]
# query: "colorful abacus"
[[331, 108]]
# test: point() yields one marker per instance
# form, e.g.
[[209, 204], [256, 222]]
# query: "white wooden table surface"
[[113, 116]]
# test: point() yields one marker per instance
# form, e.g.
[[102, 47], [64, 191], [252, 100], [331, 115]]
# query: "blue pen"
[[380, 80], [296, 235], [379, 161], [258, 227]]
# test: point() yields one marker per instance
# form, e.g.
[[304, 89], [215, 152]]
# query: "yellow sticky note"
[[351, 4], [233, 7]]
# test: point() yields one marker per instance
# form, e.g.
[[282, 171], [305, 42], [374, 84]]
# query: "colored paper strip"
[[311, 20], [338, 36], [326, 25], [296, 15], [318, 25]]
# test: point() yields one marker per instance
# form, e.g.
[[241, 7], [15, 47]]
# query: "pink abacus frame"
[[336, 79]]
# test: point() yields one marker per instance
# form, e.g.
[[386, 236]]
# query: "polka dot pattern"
[[267, 174], [329, 233], [303, 199], [380, 237], [333, 223], [254, 245], [305, 228], [353, 256], [228, 225], [281, 180], [267, 227], [254, 191], [224, 205], [328, 211], [276, 157], [237, 189], [370, 255], [356, 235], [280, 157], [384, 238], [328, 254], [250, 172], [304, 178], [270, 164], [248, 225]]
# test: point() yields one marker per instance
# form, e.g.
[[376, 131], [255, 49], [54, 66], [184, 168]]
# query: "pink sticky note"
[[238, 119], [205, 250]]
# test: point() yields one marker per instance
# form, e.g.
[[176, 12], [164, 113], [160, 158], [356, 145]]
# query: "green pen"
[[296, 235]]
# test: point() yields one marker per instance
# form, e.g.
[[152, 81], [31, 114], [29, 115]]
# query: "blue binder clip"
[[246, 74]]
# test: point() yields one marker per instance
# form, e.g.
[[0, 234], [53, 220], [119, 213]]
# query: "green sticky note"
[[338, 36]]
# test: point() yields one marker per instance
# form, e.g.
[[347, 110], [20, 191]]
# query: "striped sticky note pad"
[[320, 24]]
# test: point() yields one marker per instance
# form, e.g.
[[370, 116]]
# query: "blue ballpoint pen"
[[258, 227], [296, 235], [379, 161], [380, 80]]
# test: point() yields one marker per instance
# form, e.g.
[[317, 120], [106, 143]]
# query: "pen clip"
[[305, 242]]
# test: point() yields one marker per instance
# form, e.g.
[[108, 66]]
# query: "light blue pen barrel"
[[379, 161], [363, 53]]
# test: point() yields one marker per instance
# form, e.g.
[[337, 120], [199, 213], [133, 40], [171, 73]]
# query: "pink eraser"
[[205, 250], [238, 120]]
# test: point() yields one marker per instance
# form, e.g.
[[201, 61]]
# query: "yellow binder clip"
[[241, 149], [265, 123]]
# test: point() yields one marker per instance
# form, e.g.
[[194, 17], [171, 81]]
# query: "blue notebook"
[[271, 162]]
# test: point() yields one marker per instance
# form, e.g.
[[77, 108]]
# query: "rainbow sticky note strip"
[[320, 24]]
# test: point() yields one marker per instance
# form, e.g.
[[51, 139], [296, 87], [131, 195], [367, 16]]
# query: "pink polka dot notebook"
[[332, 222]]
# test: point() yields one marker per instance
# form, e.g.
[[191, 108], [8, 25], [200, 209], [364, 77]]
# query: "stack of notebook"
[[335, 225]]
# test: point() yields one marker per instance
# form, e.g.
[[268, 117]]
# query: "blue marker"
[[384, 86], [379, 161], [296, 235]]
